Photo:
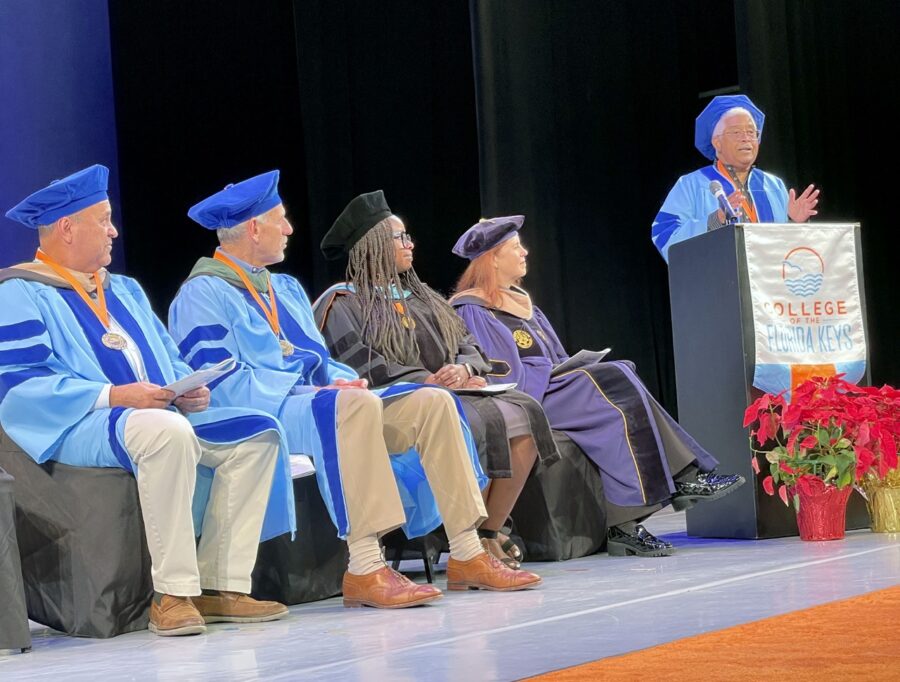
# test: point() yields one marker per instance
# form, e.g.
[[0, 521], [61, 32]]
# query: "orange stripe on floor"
[[853, 639]]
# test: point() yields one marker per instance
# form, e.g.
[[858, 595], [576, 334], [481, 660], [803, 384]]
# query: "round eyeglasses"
[[750, 133], [404, 238]]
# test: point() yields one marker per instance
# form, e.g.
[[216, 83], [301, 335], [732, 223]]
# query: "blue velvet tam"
[[486, 234], [709, 117], [238, 202], [62, 197]]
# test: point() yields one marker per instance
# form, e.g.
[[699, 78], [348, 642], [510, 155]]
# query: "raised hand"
[[801, 208]]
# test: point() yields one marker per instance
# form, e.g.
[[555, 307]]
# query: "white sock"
[[365, 555], [466, 545]]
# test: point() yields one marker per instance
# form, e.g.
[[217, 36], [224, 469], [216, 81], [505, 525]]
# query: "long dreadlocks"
[[372, 270]]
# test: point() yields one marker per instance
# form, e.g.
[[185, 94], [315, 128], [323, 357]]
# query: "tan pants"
[[425, 419], [166, 452]]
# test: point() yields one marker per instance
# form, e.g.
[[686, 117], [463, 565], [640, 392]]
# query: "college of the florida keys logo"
[[803, 270]]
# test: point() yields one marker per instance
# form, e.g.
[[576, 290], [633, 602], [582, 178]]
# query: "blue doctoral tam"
[[238, 202], [62, 197], [709, 117], [486, 234]]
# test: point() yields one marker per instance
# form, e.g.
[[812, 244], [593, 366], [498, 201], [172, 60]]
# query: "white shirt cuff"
[[102, 401]]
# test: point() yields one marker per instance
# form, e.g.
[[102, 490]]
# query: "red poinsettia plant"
[[832, 433]]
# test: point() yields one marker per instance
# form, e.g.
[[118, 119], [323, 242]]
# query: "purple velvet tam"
[[486, 234]]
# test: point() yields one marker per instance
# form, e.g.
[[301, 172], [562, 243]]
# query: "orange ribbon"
[[99, 306], [749, 211], [271, 315]]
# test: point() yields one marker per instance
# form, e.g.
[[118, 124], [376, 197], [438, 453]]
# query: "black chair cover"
[[561, 513], [309, 567], [14, 632], [81, 539]]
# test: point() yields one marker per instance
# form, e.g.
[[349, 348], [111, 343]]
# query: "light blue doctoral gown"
[[53, 367], [685, 212], [212, 319]]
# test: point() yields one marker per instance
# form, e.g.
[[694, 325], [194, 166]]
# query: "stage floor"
[[586, 609]]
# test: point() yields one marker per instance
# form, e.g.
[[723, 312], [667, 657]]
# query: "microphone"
[[731, 216]]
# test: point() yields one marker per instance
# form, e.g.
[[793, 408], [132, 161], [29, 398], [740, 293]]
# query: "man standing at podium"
[[728, 132]]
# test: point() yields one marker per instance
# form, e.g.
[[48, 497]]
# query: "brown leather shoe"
[[234, 607], [386, 589], [175, 616], [484, 572]]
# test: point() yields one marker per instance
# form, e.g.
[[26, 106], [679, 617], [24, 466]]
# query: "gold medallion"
[[287, 348], [523, 339], [114, 341]]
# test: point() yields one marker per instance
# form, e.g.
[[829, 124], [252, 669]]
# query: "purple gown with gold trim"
[[604, 407]]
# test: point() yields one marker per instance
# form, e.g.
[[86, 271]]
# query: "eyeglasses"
[[752, 133], [404, 238]]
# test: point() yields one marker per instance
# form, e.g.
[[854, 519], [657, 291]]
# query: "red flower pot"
[[823, 513]]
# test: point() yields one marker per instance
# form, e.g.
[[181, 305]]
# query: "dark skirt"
[[491, 430]]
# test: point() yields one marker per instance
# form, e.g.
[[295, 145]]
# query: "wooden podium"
[[713, 335]]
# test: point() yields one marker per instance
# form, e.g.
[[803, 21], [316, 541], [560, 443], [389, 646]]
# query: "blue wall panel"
[[56, 106]]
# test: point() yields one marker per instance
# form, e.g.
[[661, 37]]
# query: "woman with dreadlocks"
[[391, 327]]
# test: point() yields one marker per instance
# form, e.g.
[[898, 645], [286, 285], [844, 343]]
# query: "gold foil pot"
[[883, 501]]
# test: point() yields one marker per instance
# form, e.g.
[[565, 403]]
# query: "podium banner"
[[807, 312]]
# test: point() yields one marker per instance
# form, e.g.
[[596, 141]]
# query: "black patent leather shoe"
[[705, 487], [639, 542]]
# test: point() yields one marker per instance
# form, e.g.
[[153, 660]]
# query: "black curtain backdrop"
[[578, 114], [343, 96], [824, 73], [206, 94], [388, 103], [585, 113]]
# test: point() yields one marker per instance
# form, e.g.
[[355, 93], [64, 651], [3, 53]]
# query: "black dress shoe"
[[704, 487], [639, 542]]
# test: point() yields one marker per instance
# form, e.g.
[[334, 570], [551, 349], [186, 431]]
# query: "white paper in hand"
[[301, 465], [581, 359], [200, 378], [490, 389]]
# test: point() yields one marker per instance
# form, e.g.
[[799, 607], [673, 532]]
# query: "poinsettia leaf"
[[783, 494], [845, 480], [809, 442], [832, 472], [822, 436]]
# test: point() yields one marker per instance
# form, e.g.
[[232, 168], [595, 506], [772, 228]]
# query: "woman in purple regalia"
[[646, 459]]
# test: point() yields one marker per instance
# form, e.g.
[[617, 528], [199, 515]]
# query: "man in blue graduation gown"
[[231, 306], [83, 365], [728, 132]]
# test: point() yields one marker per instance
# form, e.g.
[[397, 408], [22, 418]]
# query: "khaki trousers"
[[425, 419], [166, 452]]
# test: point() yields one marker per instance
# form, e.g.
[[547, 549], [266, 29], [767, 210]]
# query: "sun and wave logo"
[[803, 270]]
